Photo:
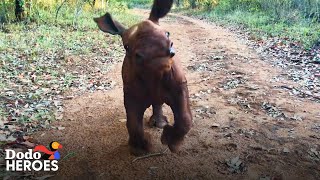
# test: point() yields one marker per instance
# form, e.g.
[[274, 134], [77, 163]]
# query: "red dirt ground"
[[228, 85]]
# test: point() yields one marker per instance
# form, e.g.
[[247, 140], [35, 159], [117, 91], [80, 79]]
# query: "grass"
[[142, 4], [2, 112], [40, 62], [263, 25]]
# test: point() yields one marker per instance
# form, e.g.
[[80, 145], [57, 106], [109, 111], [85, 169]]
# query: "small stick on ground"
[[150, 155]]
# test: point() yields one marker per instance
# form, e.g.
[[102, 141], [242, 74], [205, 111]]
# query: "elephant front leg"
[[139, 141], [174, 135], [158, 119]]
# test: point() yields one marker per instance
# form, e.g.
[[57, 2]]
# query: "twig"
[[69, 155], [57, 12], [150, 155]]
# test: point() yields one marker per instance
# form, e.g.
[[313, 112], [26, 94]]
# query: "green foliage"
[[6, 9], [35, 55], [290, 10], [68, 12], [139, 3], [294, 19], [119, 7], [225, 6]]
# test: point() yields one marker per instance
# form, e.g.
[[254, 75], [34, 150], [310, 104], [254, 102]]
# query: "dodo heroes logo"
[[38, 159]]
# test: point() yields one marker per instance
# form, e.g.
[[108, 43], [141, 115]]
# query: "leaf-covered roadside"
[[300, 64], [42, 65]]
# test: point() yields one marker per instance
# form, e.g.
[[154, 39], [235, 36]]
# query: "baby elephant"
[[151, 76]]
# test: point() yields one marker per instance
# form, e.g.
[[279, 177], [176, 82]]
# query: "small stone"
[[215, 125], [61, 128], [286, 150], [69, 97], [309, 93], [59, 117], [123, 120], [228, 135], [272, 151], [217, 57], [100, 88]]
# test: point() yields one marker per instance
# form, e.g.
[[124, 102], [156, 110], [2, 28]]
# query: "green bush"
[[68, 12], [6, 7], [298, 20], [139, 3], [279, 9]]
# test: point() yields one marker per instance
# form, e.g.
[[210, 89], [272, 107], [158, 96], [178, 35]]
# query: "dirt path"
[[238, 109]]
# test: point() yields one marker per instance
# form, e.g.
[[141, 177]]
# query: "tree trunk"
[[193, 4], [19, 10], [178, 3]]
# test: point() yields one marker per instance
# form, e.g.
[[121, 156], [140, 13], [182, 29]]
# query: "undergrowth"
[[262, 25], [41, 60]]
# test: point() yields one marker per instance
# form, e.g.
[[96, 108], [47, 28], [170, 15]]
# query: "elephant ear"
[[108, 25], [160, 9]]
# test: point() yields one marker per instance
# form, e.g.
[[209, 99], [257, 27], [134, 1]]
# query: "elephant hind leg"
[[158, 119]]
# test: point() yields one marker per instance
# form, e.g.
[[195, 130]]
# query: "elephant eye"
[[139, 58], [168, 34], [126, 47]]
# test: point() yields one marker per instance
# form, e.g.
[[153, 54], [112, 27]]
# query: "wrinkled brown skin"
[[151, 77]]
